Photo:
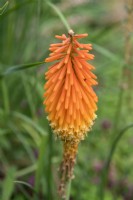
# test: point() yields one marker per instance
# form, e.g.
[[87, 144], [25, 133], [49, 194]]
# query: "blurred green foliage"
[[28, 153]]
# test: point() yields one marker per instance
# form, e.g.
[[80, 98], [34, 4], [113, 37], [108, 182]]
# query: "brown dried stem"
[[67, 166]]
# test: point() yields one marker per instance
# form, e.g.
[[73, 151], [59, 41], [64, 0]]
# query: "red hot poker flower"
[[69, 97]]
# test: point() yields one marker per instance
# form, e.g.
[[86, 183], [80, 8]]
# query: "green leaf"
[[32, 132], [18, 68], [26, 171], [23, 140], [8, 184], [15, 8], [29, 121], [23, 183], [107, 53], [40, 163], [4, 8], [105, 170]]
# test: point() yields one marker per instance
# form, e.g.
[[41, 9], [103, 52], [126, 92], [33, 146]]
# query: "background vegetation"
[[29, 154]]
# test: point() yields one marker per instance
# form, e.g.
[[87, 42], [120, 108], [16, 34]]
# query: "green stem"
[[126, 78], [59, 13], [118, 111], [40, 165], [5, 96], [49, 166], [68, 190], [109, 159]]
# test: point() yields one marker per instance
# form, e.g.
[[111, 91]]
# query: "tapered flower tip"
[[70, 100], [71, 32]]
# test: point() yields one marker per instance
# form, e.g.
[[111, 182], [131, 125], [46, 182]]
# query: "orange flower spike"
[[70, 100]]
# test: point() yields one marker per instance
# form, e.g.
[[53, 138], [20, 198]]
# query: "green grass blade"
[[22, 183], [105, 52], [29, 95], [4, 8], [26, 171], [109, 159], [40, 163], [5, 94], [23, 140], [16, 68], [59, 13], [29, 121], [8, 184], [16, 7]]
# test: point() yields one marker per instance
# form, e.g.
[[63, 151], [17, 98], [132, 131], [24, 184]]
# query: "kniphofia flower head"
[[70, 100]]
